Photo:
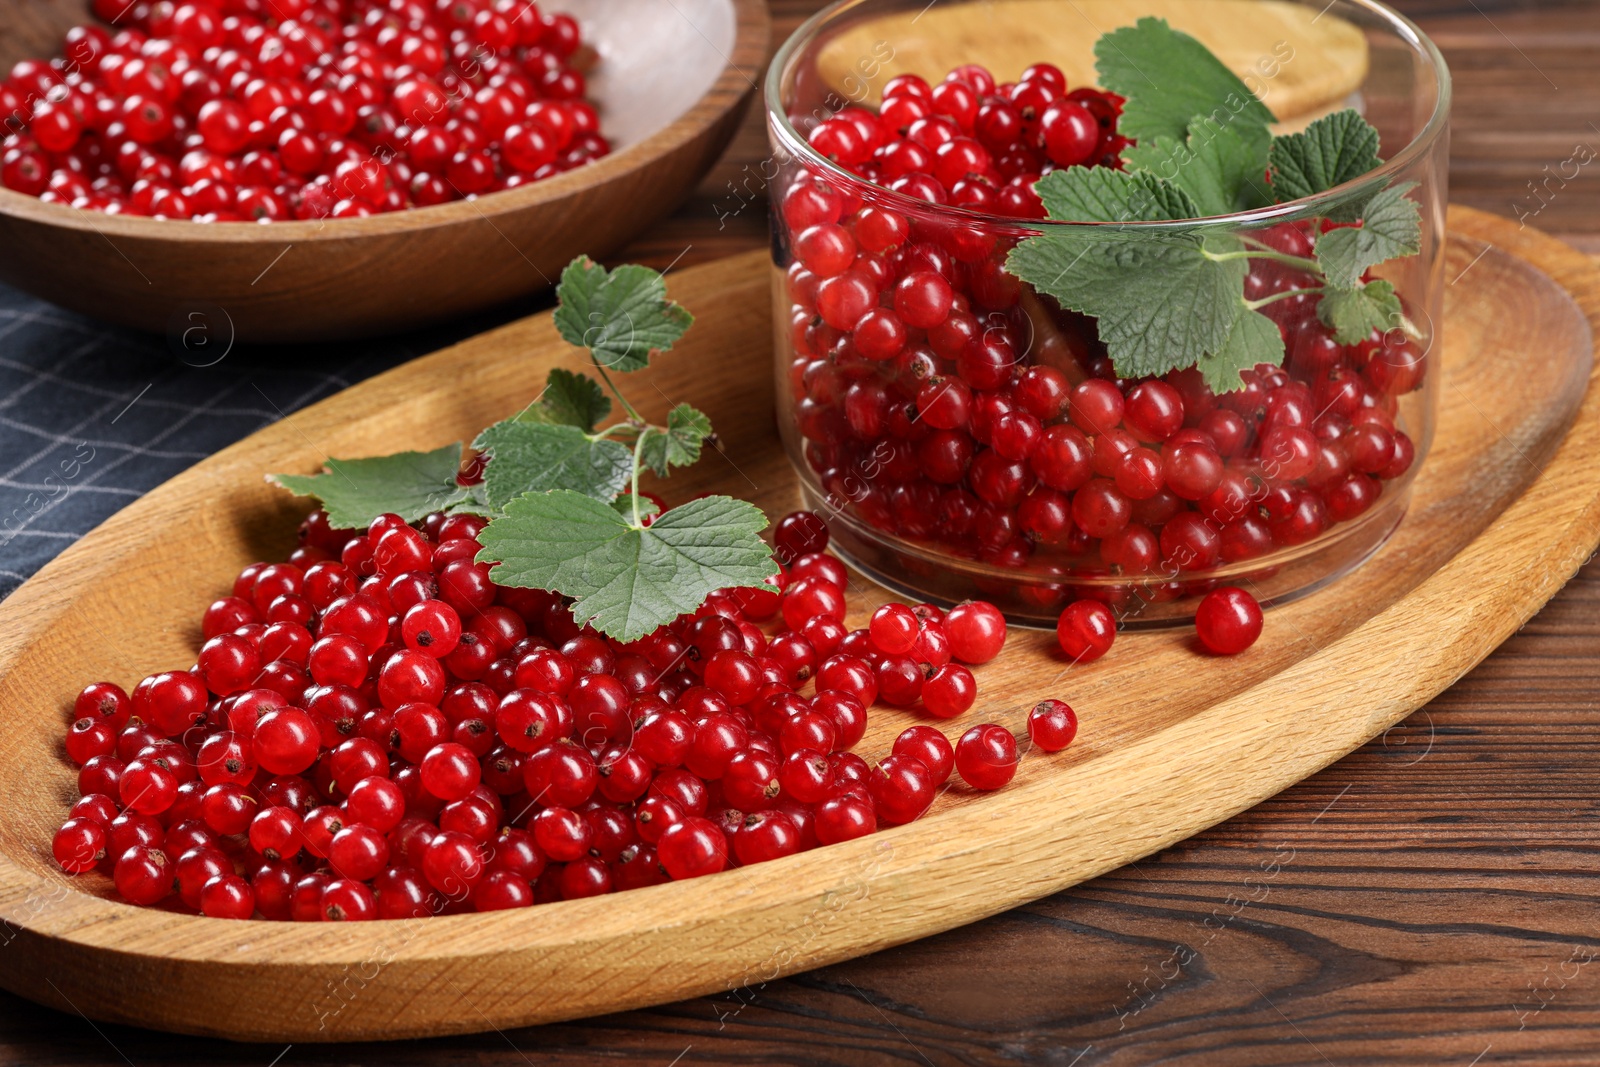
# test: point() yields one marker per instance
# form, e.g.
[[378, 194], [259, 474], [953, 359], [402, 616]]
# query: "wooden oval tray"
[[1172, 742]]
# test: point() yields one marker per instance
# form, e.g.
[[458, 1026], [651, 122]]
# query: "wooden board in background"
[[1299, 64]]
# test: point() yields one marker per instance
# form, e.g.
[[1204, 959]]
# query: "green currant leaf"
[[533, 457], [1334, 149], [1219, 170], [1353, 314], [687, 428], [1168, 78], [1100, 194], [1162, 302], [1253, 339], [569, 400], [408, 484], [624, 506], [622, 317], [1390, 227], [627, 581]]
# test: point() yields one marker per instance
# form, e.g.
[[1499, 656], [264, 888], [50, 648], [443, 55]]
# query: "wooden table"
[[1431, 899]]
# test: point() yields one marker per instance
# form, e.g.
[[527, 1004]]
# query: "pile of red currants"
[[936, 399], [375, 729], [243, 111]]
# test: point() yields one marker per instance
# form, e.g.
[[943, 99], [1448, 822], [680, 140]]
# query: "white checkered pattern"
[[92, 416]]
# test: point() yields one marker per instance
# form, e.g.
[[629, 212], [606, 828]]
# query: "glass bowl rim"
[[1420, 144]]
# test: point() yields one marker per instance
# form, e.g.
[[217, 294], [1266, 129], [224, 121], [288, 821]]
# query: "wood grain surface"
[[1439, 898], [1008, 36]]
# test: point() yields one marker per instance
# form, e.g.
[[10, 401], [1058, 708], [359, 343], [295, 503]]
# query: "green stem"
[[632, 414], [1255, 305], [638, 454], [1311, 266], [625, 427]]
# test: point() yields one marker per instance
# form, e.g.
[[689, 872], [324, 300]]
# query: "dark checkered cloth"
[[91, 416]]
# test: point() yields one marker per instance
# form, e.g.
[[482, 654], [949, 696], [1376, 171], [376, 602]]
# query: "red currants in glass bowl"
[[1034, 348]]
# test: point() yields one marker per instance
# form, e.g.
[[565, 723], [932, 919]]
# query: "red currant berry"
[[1052, 725], [432, 628], [1086, 630], [766, 835], [894, 629], [842, 818], [902, 789], [986, 756], [949, 691], [976, 631], [930, 747], [1228, 621], [692, 848], [79, 845]]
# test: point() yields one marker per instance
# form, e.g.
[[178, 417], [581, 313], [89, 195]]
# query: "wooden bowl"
[[1505, 509], [672, 84]]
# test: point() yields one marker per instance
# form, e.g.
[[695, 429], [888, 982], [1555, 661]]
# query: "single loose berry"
[[1052, 725], [1228, 621], [986, 756], [1086, 630]]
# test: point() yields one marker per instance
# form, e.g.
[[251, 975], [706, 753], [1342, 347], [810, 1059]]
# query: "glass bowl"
[[1317, 458]]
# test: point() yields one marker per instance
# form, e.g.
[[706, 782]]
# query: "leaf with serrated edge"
[[1100, 194], [1253, 339], [1162, 303], [1334, 149], [355, 491], [622, 317], [626, 581], [680, 445], [532, 457], [1390, 227], [1191, 82], [1352, 314], [569, 400], [1216, 167], [624, 506]]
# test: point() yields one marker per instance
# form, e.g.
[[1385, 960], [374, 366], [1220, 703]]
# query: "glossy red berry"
[[766, 835], [1227, 621], [986, 756], [949, 691], [930, 747], [977, 631], [692, 848], [144, 875], [843, 818], [227, 896], [902, 789], [1052, 725], [432, 628], [79, 845], [894, 629], [1086, 630], [450, 771]]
